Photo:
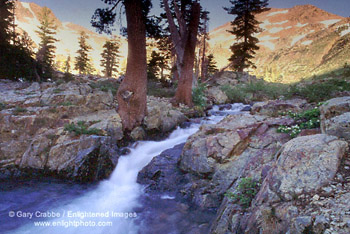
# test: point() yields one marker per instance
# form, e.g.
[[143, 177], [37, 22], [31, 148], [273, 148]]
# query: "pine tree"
[[212, 68], [244, 26], [16, 50], [24, 62], [66, 66], [205, 37], [164, 46], [153, 66], [110, 57], [82, 61], [160, 59], [47, 48], [6, 20], [5, 37]]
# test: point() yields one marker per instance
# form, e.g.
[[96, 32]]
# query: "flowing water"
[[109, 207]]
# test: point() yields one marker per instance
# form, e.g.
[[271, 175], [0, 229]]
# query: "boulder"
[[138, 134], [227, 78], [162, 116], [32, 138], [304, 165], [300, 224], [216, 95], [335, 117], [335, 107], [217, 155], [16, 133], [99, 100], [16, 93], [37, 152], [338, 126], [162, 173], [108, 121], [274, 107], [311, 163], [85, 159]]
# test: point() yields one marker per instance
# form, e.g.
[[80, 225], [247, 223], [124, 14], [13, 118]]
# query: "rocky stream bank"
[[301, 184], [70, 130]]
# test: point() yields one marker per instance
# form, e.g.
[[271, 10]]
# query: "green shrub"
[[57, 91], [292, 91], [2, 106], [52, 110], [308, 119], [234, 94], [246, 191], [19, 110], [66, 104], [68, 77], [254, 91], [198, 95], [105, 86], [81, 128], [317, 92], [270, 90], [325, 90], [346, 72], [59, 82], [155, 89], [30, 93], [42, 104]]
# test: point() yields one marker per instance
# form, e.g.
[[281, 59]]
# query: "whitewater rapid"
[[114, 200]]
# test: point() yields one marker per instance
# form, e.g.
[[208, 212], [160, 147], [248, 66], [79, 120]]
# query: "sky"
[[80, 11]]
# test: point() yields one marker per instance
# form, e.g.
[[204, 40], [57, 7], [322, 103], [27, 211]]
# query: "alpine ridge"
[[295, 43]]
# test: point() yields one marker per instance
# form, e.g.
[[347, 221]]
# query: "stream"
[[111, 206]]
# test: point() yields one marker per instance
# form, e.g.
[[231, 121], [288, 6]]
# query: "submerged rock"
[[162, 173], [165, 190]]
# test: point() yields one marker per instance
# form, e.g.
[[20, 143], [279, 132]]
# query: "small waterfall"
[[115, 199]]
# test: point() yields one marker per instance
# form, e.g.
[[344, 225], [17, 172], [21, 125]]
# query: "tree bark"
[[174, 33], [184, 90], [132, 93], [204, 67]]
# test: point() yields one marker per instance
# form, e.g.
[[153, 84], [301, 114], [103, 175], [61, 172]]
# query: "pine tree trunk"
[[132, 93], [162, 73], [197, 64], [184, 90], [204, 68]]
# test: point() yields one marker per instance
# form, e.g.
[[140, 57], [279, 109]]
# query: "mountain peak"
[[295, 40], [311, 12]]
